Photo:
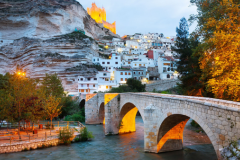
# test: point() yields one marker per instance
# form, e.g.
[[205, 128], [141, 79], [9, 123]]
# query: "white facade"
[[132, 44], [121, 76], [87, 84], [101, 82], [167, 68], [108, 64]]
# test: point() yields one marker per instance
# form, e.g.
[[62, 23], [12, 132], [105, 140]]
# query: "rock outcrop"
[[38, 35]]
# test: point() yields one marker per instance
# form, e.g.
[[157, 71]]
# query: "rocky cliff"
[[38, 35]]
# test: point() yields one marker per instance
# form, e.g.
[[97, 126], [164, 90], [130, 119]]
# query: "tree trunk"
[[32, 125], [19, 130], [51, 124]]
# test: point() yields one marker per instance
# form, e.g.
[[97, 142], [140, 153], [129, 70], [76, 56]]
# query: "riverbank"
[[117, 147], [43, 139]]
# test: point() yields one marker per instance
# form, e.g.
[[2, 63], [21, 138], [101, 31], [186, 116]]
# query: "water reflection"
[[120, 147]]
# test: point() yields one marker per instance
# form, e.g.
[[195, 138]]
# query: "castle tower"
[[100, 16]]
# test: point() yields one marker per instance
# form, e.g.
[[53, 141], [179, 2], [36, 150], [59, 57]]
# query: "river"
[[119, 147]]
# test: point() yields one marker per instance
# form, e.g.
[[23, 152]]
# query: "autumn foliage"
[[219, 27]]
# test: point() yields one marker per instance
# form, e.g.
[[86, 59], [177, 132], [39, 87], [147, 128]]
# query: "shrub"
[[195, 124], [65, 135], [76, 117], [48, 126], [85, 134]]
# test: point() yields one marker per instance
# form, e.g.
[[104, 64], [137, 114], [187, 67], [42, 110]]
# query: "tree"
[[52, 107], [136, 85], [219, 27], [132, 86], [188, 66], [16, 99], [52, 85]]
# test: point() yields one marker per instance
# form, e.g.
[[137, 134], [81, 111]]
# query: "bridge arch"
[[82, 104], [127, 117], [171, 127], [101, 115]]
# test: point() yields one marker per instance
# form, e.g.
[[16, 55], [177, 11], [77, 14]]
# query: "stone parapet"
[[162, 85]]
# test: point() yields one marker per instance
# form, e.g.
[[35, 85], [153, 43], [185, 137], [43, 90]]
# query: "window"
[[140, 65], [81, 79], [94, 60], [99, 86], [87, 85], [106, 87], [82, 90], [108, 62], [144, 64], [121, 73], [78, 79], [103, 62], [129, 73], [135, 64], [94, 85], [109, 68], [134, 72], [116, 62], [129, 62], [121, 79], [95, 79], [168, 76], [142, 73], [135, 78], [139, 73], [98, 59], [125, 73], [81, 85], [116, 57], [125, 79], [104, 74], [89, 79], [110, 87], [87, 90]]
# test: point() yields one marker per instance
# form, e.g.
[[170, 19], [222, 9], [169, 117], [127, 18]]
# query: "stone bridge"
[[164, 117]]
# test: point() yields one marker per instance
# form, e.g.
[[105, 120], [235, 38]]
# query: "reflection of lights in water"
[[104, 120], [128, 121], [175, 133]]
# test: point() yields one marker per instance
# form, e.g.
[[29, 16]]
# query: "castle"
[[99, 15]]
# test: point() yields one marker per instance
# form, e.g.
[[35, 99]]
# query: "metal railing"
[[9, 136]]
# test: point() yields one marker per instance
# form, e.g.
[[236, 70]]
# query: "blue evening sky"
[[143, 16]]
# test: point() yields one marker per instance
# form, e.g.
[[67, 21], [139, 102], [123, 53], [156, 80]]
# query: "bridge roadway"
[[164, 117]]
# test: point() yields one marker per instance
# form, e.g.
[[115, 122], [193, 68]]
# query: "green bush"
[[195, 124], [85, 134], [48, 126], [65, 135], [80, 116]]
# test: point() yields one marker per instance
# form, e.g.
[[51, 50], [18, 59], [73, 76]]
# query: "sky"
[[144, 16]]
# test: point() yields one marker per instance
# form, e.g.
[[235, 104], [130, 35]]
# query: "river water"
[[119, 147]]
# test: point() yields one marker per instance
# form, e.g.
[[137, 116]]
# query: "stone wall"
[[28, 145], [162, 85]]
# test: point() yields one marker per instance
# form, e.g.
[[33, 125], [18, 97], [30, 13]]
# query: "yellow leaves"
[[52, 108], [221, 61]]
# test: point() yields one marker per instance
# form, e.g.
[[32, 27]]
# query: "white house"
[[100, 82], [167, 67], [108, 64], [87, 84], [117, 42], [105, 81], [122, 75], [132, 44]]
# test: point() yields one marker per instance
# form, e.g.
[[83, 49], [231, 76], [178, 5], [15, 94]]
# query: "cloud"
[[143, 16]]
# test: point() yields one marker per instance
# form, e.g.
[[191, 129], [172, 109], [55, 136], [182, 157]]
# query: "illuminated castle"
[[99, 15]]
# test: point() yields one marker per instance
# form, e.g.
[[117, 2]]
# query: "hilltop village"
[[143, 57]]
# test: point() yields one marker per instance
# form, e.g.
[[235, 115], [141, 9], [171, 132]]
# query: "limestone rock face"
[[37, 35], [44, 19]]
